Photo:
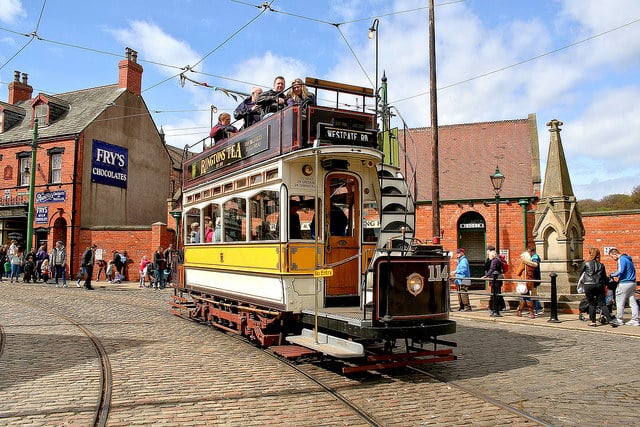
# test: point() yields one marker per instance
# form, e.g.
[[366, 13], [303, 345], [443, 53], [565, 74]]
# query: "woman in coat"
[[594, 277], [525, 271]]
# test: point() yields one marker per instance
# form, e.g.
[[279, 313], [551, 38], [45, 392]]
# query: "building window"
[[24, 170], [56, 168], [1, 121], [42, 114]]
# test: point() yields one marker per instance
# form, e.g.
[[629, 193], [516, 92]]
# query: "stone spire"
[[558, 231]]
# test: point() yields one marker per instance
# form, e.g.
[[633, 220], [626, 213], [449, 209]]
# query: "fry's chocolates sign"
[[109, 164]]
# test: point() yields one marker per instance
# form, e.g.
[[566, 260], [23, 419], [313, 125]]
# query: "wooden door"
[[342, 231]]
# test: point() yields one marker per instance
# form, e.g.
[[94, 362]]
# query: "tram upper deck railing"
[[287, 130]]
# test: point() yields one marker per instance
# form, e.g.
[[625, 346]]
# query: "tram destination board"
[[341, 136]]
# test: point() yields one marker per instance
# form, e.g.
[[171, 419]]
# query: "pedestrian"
[[158, 267], [59, 259], [88, 259], [626, 288], [16, 263], [102, 266], [29, 269], [41, 255], [525, 272], [168, 259], [463, 272], [144, 262], [110, 272], [594, 277], [495, 274], [3, 260], [537, 305], [117, 262], [45, 271]]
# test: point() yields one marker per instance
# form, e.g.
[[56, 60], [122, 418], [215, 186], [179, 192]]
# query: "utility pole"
[[435, 173], [32, 186]]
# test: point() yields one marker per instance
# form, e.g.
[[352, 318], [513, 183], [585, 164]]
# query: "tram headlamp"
[[307, 170], [415, 284]]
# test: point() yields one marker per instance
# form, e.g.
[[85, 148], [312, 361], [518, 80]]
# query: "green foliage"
[[612, 202]]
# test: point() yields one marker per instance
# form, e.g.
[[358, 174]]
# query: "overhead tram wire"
[[235, 33], [551, 52], [33, 35]]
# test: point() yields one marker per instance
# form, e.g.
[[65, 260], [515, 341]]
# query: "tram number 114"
[[438, 272]]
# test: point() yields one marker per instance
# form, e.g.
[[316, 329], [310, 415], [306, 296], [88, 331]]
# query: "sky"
[[577, 61]]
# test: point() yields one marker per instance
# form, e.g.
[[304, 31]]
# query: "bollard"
[[553, 318]]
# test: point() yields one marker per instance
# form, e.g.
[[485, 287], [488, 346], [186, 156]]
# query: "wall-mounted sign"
[[109, 164], [51, 196], [42, 214]]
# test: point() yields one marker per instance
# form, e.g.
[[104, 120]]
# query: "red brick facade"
[[609, 229]]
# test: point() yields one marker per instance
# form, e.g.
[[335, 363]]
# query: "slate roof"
[[470, 152], [84, 106]]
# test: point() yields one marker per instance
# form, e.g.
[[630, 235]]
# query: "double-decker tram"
[[298, 236]]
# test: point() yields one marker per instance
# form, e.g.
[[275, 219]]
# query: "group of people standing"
[[259, 104], [528, 270], [594, 280], [160, 270]]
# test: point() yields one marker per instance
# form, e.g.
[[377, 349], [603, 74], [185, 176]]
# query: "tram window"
[[235, 221], [304, 207], [211, 214], [192, 233], [371, 222], [264, 215]]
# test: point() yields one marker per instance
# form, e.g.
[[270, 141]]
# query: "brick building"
[[468, 155], [101, 172]]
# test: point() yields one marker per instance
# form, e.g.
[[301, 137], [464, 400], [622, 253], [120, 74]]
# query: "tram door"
[[342, 232]]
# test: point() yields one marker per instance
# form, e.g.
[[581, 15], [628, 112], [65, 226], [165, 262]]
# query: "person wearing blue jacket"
[[463, 272], [626, 289]]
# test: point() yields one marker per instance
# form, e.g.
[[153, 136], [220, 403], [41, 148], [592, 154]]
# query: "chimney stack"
[[19, 90], [130, 72]]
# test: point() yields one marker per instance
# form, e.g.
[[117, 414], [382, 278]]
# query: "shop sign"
[[42, 214], [51, 196], [109, 164]]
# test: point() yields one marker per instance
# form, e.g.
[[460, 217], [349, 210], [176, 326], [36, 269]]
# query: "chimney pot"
[[25, 76], [16, 76]]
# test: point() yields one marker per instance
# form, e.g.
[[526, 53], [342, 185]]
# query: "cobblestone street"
[[166, 370]]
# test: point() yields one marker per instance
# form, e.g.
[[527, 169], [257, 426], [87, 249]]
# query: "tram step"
[[327, 344]]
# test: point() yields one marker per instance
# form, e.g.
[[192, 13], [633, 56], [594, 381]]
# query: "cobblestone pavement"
[[169, 371]]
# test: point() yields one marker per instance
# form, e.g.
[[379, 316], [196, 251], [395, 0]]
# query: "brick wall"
[[620, 229]]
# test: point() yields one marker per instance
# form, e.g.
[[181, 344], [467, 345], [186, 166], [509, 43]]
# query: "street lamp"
[[32, 186], [497, 179], [373, 30]]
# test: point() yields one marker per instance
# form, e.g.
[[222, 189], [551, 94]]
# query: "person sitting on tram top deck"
[[249, 110], [223, 129], [274, 99]]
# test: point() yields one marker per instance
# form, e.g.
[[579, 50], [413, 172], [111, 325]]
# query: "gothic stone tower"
[[558, 230]]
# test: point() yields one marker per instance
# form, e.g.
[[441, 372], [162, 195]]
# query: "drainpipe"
[[73, 204], [523, 204]]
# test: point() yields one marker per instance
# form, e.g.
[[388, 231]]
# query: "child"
[[110, 270], [45, 271], [7, 268], [144, 262]]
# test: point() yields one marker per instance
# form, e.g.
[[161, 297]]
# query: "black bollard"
[[553, 318]]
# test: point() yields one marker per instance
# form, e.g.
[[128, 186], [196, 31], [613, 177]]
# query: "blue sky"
[[574, 60]]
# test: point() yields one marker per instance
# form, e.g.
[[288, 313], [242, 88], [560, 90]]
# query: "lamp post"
[[373, 30], [32, 186], [497, 179]]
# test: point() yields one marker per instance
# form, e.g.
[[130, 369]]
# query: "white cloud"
[[11, 10]]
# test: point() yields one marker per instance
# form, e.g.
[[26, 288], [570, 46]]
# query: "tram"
[[298, 236]]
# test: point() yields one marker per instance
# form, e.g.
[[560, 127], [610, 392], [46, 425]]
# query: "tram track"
[[103, 403], [481, 396]]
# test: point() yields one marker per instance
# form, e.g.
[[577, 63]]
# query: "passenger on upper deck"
[[273, 99], [299, 94], [223, 129], [249, 110]]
